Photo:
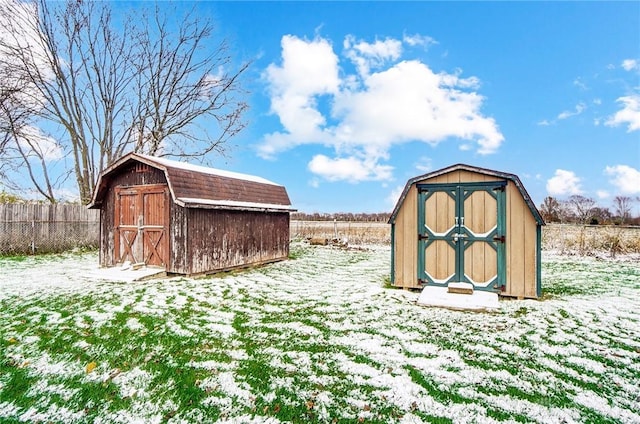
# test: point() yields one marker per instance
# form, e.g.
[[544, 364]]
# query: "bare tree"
[[110, 89], [179, 86], [6, 116], [622, 206], [550, 209], [582, 207], [11, 117], [32, 155], [600, 215], [23, 148]]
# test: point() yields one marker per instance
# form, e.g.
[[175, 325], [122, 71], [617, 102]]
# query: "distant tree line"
[[578, 209], [8, 198], [342, 216]]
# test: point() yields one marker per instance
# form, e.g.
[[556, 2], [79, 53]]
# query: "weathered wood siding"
[[128, 176], [224, 239], [43, 228], [179, 261], [188, 229]]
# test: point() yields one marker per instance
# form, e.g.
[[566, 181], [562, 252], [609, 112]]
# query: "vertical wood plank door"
[[127, 246], [141, 224], [461, 234]]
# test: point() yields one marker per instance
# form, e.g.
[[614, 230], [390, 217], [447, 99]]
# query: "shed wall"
[[521, 246], [405, 244], [406, 227], [217, 240], [521, 238]]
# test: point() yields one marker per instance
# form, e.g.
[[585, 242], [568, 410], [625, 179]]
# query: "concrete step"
[[441, 297], [460, 288]]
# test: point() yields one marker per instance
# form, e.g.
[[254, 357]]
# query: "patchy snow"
[[318, 335], [236, 204]]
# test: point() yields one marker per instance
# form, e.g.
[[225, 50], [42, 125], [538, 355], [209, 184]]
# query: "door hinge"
[[422, 237], [501, 239], [422, 282]]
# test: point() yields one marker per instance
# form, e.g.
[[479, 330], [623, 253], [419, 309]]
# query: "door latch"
[[457, 236]]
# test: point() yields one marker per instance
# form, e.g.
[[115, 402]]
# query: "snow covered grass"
[[316, 338]]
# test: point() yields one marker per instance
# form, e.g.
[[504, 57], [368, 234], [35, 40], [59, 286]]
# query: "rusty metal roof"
[[202, 187], [463, 167]]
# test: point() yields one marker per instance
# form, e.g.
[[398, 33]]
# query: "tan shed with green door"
[[467, 224]]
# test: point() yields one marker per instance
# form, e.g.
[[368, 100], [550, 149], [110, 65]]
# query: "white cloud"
[[419, 40], [394, 195], [65, 194], [602, 194], [625, 178], [580, 107], [629, 114], [400, 101], [630, 64], [409, 102], [563, 183], [424, 164], [309, 69], [32, 139], [349, 169], [19, 32], [580, 84], [544, 123], [371, 55]]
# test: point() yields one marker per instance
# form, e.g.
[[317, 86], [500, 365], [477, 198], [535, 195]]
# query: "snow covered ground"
[[316, 338]]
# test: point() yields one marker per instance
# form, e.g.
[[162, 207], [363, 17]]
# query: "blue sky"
[[351, 99]]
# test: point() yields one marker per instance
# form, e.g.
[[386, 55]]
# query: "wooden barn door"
[[141, 224], [461, 234]]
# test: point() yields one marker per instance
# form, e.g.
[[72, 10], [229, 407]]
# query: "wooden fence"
[[35, 228]]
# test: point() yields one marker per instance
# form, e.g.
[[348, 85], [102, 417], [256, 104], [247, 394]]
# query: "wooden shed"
[[464, 224], [188, 219]]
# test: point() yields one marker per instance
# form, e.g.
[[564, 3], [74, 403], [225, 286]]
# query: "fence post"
[[33, 236]]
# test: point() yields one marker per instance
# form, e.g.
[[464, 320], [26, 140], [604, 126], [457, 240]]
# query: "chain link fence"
[[32, 228]]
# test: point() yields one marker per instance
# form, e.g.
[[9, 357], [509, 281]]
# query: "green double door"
[[461, 234]]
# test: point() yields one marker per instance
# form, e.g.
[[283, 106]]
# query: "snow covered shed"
[[464, 224], [188, 219]]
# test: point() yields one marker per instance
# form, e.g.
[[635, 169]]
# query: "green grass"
[[320, 339]]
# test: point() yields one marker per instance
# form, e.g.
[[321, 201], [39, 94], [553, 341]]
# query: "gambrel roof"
[[202, 187], [462, 167]]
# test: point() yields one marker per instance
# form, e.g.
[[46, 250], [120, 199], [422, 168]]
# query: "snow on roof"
[[204, 169], [233, 203]]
